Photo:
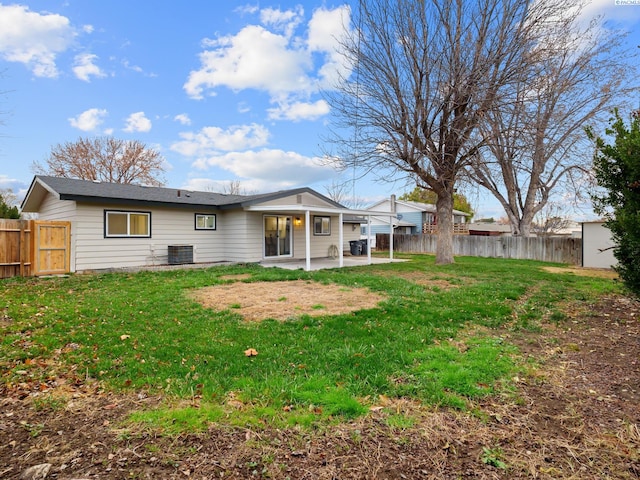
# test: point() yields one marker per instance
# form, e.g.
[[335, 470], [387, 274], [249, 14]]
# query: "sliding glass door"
[[277, 236]]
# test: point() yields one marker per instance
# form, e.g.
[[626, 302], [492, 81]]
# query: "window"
[[205, 221], [321, 225], [127, 224]]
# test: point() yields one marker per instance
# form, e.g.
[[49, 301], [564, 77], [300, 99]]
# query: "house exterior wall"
[[596, 238], [351, 234], [239, 234], [90, 250], [168, 227], [411, 217], [319, 243], [243, 234]]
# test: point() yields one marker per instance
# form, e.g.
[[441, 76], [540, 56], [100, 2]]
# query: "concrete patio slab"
[[324, 263]]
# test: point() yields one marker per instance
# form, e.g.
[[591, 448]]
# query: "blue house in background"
[[412, 218]]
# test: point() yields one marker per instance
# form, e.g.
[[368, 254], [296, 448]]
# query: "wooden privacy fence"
[[34, 247], [546, 249]]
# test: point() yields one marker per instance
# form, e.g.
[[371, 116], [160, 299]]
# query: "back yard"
[[485, 368]]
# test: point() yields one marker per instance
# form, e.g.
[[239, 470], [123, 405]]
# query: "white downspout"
[[307, 239]]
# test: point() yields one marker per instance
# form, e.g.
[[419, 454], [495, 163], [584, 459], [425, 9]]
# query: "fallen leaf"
[[251, 352]]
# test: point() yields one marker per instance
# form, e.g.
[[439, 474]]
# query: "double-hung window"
[[127, 224]]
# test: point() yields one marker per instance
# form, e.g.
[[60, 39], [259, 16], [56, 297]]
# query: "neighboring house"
[[411, 217], [489, 229], [117, 225], [597, 246]]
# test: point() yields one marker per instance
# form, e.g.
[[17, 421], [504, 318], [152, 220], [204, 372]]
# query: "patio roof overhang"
[[308, 210], [318, 209]]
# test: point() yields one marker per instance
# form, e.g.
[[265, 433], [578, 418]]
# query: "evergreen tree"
[[423, 195], [6, 210], [617, 171]]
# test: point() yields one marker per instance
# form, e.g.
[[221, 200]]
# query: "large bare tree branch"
[[106, 159], [536, 141], [425, 73]]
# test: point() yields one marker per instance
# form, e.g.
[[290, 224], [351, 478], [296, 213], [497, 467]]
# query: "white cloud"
[[89, 120], [137, 122], [213, 140], [87, 28], [137, 68], [299, 111], [237, 150], [247, 59], [84, 67], [183, 118], [271, 166], [126, 64], [326, 32], [285, 21], [33, 39]]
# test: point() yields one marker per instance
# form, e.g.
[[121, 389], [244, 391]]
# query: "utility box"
[[180, 254]]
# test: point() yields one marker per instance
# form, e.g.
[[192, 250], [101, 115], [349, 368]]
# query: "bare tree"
[[338, 191], [551, 219], [234, 187], [106, 159], [535, 139], [424, 74]]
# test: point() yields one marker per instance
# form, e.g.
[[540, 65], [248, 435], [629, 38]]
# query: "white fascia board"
[[315, 209]]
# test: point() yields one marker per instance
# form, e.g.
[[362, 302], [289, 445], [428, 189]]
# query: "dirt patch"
[[583, 272], [284, 300], [574, 415]]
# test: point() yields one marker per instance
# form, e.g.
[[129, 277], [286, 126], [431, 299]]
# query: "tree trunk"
[[444, 247]]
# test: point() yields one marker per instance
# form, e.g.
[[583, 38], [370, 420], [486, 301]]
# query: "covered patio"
[[336, 260]]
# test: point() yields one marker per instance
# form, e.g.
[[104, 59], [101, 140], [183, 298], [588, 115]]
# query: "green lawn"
[[143, 332]]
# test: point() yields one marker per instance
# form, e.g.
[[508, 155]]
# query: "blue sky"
[[225, 90]]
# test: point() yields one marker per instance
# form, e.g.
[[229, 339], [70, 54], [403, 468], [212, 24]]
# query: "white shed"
[[597, 246]]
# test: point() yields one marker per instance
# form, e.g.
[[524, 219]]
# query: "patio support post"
[[391, 238], [369, 239], [340, 240], [307, 239]]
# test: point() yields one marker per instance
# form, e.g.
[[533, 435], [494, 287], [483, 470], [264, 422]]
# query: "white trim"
[[340, 240], [315, 209], [307, 240]]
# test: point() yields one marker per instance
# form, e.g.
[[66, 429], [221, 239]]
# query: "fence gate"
[[51, 247]]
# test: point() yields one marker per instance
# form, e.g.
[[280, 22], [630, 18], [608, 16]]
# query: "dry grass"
[[583, 272], [283, 300]]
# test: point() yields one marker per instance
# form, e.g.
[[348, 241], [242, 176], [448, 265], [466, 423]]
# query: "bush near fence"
[[546, 249]]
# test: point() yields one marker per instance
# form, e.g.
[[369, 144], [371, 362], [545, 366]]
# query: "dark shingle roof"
[[102, 192]]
